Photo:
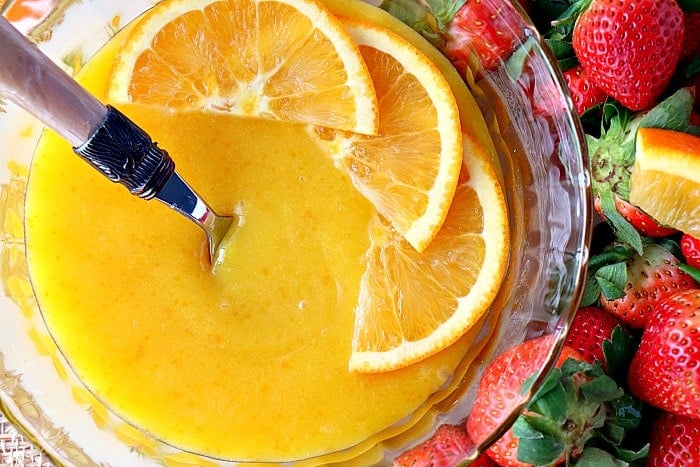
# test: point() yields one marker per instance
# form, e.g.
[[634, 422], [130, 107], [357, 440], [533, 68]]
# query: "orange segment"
[[665, 180], [409, 170], [281, 59], [412, 305]]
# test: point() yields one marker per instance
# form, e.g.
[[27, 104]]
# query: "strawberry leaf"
[[627, 411], [569, 11], [613, 433], [601, 389], [430, 18], [550, 398], [444, 10], [594, 457], [611, 254], [516, 62], [416, 15], [612, 279], [669, 245], [571, 366], [672, 113], [628, 455], [618, 352], [561, 49], [552, 404], [541, 426], [624, 231], [547, 385], [535, 447], [591, 292]]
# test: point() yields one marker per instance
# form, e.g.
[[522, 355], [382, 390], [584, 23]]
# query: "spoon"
[[100, 134]]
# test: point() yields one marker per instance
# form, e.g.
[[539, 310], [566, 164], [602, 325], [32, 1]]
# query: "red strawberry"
[[690, 247], [665, 371], [583, 91], [569, 426], [589, 328], [449, 446], [691, 43], [491, 30], [499, 394], [641, 221], [630, 48], [675, 441], [612, 157], [651, 278]]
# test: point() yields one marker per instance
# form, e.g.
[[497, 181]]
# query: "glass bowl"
[[537, 140]]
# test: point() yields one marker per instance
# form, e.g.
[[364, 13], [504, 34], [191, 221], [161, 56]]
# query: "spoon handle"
[[100, 134], [31, 80]]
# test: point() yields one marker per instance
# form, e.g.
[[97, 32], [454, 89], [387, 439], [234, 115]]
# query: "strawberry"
[[675, 441], [635, 287], [690, 247], [589, 328], [612, 158], [499, 393], [449, 446], [491, 30], [547, 431], [665, 371], [630, 48], [467, 30], [583, 91]]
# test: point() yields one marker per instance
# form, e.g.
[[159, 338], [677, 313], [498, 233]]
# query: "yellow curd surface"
[[248, 362]]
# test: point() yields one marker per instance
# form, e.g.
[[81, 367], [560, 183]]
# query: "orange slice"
[[412, 305], [409, 170], [282, 59], [665, 180]]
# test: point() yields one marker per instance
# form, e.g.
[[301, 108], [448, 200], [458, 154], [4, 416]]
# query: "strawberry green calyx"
[[612, 158], [578, 413]]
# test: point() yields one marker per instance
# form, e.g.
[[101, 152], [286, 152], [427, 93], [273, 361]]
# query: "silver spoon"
[[100, 134]]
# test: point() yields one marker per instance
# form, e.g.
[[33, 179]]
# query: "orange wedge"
[[409, 170], [282, 59], [412, 305], [665, 180]]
